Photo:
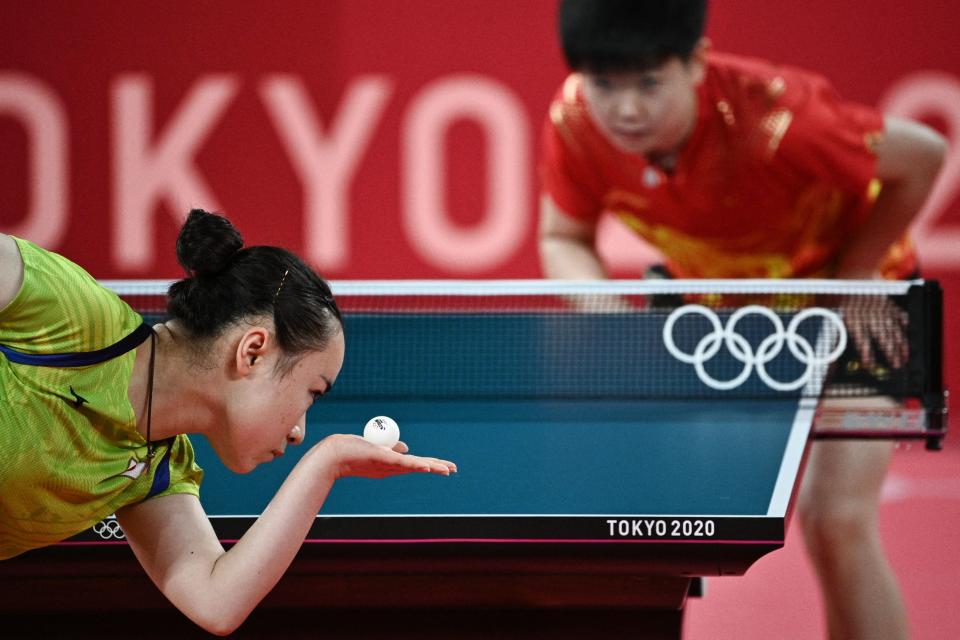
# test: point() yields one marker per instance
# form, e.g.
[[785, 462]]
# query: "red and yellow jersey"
[[776, 176]]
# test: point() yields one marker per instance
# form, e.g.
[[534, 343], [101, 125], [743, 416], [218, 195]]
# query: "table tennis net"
[[629, 339]]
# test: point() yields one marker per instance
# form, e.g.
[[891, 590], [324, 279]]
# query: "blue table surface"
[[543, 457]]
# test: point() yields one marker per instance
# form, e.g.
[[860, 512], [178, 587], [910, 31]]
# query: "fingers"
[[888, 333], [883, 322], [861, 340], [895, 350], [426, 464], [904, 322], [356, 457], [601, 304], [403, 462], [443, 467], [430, 465], [904, 319]]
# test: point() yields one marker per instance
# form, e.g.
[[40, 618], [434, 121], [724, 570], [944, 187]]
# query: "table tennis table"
[[573, 493]]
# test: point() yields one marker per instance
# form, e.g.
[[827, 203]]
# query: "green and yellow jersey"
[[70, 453]]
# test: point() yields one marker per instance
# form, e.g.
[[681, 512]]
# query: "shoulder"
[[568, 102], [909, 149], [61, 308], [754, 88], [571, 139], [575, 155], [792, 114], [748, 78], [568, 120], [185, 474]]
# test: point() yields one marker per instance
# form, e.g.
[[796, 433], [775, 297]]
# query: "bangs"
[[618, 35]]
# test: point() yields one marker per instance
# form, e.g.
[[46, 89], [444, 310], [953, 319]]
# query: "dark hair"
[[628, 35], [228, 282]]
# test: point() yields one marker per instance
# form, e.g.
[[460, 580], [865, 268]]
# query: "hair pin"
[[282, 280]]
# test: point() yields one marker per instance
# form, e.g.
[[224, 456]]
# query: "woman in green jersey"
[[94, 406]]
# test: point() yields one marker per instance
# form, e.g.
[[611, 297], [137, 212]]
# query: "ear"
[[697, 63], [254, 344]]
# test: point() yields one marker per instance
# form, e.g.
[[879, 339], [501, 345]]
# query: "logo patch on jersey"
[[134, 469], [78, 400]]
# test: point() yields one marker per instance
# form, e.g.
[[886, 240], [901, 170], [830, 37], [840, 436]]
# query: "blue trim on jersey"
[[161, 479], [80, 359]]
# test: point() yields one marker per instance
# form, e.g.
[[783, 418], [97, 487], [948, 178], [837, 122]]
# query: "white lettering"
[[326, 163], [613, 527], [504, 222], [44, 118], [146, 173], [659, 528]]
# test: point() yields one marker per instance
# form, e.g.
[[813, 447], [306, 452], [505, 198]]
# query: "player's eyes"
[[649, 82], [601, 82]]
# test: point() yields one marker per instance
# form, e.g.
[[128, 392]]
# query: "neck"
[[664, 161], [182, 391]]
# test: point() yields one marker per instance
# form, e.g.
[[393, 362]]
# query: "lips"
[[632, 134], [635, 142]]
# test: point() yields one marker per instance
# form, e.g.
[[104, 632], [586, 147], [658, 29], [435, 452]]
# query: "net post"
[[926, 303]]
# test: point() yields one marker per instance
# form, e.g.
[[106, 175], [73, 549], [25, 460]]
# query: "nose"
[[630, 106], [298, 432]]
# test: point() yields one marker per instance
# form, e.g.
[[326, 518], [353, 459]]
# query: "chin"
[[640, 148], [241, 467]]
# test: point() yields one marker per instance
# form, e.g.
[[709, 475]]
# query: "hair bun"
[[207, 242]]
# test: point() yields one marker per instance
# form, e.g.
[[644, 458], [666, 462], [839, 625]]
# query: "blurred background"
[[388, 138]]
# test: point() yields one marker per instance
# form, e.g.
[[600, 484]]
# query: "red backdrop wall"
[[378, 138]]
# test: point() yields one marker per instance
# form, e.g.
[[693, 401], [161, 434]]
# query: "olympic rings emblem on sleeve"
[[768, 349], [109, 529]]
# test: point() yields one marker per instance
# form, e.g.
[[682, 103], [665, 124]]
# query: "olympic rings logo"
[[768, 349], [109, 529]]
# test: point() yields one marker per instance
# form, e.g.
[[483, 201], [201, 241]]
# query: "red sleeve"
[[833, 140], [836, 139], [568, 172]]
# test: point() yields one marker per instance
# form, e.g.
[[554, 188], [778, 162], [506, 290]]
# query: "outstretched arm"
[[908, 160], [174, 541], [11, 270]]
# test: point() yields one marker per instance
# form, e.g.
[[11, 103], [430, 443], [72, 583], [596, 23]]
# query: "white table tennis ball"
[[382, 431]]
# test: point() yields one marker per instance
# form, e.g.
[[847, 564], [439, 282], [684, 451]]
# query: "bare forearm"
[[569, 259], [891, 216], [176, 545], [179, 549], [567, 245], [253, 566]]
